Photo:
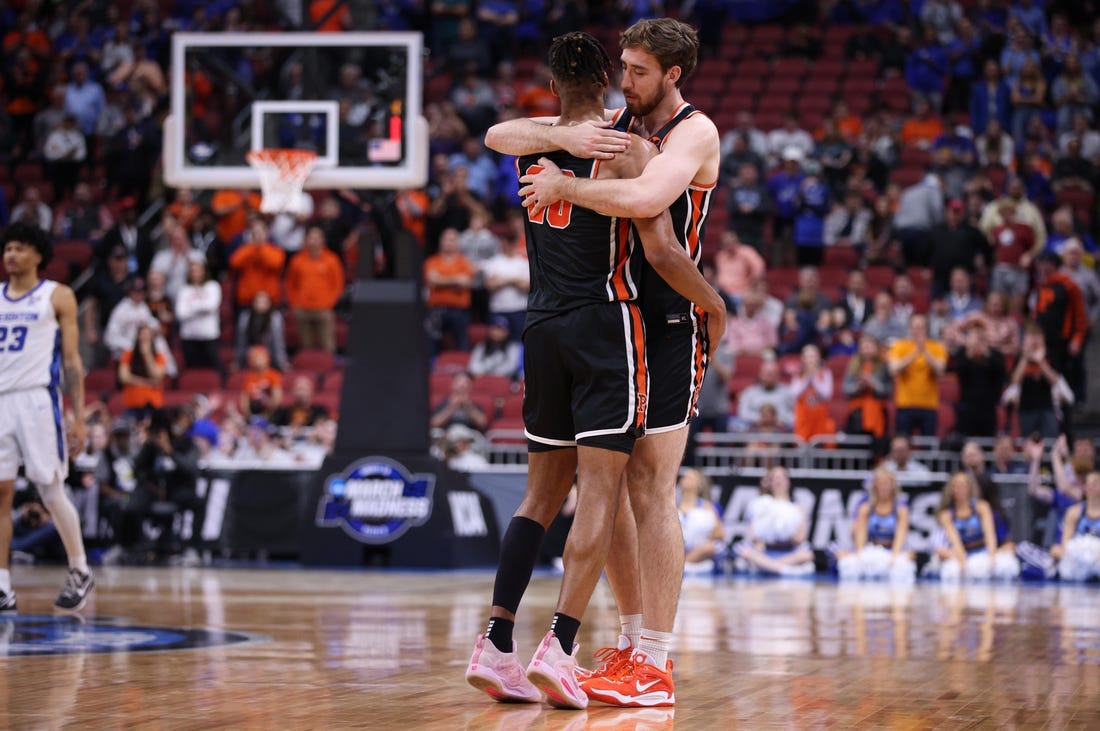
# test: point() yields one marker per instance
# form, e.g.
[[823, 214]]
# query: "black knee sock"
[[499, 632], [565, 629], [519, 549]]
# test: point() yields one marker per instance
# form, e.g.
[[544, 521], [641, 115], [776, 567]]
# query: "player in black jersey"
[[586, 384], [657, 57]]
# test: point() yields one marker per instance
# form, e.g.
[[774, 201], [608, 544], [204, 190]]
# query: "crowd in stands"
[[905, 214]]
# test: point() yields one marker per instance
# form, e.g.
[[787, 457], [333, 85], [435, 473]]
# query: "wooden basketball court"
[[387, 650]]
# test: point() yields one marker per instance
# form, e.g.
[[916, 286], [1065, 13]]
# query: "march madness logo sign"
[[376, 500]]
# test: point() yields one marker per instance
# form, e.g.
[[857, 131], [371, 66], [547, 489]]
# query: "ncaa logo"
[[376, 500]]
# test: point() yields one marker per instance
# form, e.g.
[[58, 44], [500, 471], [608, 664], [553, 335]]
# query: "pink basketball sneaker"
[[500, 674]]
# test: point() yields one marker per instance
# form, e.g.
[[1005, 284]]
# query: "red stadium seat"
[[318, 361], [333, 382], [451, 361], [202, 380], [495, 386], [100, 381], [1080, 199], [841, 256]]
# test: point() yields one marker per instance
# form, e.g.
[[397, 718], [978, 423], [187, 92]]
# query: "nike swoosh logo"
[[643, 687]]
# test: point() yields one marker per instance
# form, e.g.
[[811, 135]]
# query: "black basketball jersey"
[[577, 256], [661, 305]]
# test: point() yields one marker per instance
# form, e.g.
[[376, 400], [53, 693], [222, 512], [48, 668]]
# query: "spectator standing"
[[261, 324], [1084, 277], [173, 261], [314, 282], [809, 224], [982, 373], [920, 209], [867, 385], [84, 98], [1074, 92], [198, 308], [748, 206], [1028, 96], [65, 152], [1059, 310], [1002, 330], [1037, 390], [955, 244], [508, 279], [784, 188], [258, 264], [450, 277], [131, 237], [990, 99], [232, 208], [736, 266], [917, 363], [812, 389]]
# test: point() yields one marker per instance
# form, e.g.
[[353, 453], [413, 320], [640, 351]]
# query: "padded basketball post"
[[384, 401]]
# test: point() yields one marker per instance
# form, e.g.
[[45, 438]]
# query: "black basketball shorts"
[[676, 355], [585, 378]]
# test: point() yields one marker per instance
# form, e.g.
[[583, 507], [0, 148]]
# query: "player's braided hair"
[[578, 59]]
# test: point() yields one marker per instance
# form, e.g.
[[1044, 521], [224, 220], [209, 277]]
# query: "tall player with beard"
[[657, 58], [39, 344], [585, 364]]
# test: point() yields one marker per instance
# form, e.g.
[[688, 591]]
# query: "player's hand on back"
[[541, 188], [594, 140]]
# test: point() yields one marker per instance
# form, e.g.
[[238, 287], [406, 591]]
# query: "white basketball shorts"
[[31, 434]]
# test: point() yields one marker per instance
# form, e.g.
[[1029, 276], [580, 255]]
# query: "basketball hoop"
[[283, 174]]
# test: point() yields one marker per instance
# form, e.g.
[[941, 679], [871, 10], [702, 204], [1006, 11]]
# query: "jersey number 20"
[[557, 215], [18, 338]]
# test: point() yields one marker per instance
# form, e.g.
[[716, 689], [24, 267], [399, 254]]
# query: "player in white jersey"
[[38, 352]]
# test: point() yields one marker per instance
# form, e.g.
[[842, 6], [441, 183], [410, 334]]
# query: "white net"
[[283, 175]]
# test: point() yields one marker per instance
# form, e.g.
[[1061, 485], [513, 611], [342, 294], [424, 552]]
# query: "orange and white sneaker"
[[554, 673], [610, 658], [639, 685], [500, 674]]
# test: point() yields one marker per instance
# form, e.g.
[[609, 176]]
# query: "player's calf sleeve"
[[67, 521], [519, 549]]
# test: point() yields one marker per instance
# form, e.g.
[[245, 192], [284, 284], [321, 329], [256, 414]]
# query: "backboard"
[[353, 98]]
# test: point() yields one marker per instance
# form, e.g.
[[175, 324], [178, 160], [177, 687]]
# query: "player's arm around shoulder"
[[64, 305], [527, 136], [691, 154]]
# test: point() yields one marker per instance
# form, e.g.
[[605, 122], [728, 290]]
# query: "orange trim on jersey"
[[700, 359], [662, 125], [697, 199], [641, 368], [618, 280]]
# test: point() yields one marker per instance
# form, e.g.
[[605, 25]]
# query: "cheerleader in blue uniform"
[[880, 531], [1079, 552], [970, 538]]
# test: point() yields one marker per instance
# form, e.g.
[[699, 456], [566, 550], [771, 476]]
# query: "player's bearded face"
[[644, 84]]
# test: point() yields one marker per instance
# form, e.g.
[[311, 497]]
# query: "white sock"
[[5, 581], [631, 625], [655, 645]]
